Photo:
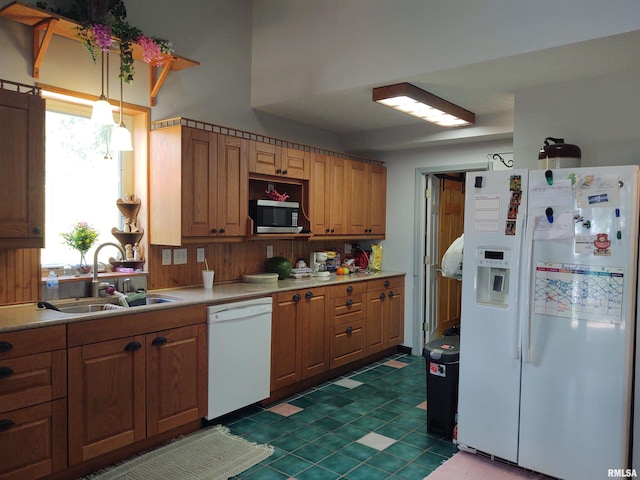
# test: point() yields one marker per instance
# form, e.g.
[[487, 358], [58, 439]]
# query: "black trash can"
[[443, 367]]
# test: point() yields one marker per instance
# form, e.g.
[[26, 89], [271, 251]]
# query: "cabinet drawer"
[[33, 441], [32, 379], [26, 342], [347, 343], [348, 309], [348, 289], [385, 283]]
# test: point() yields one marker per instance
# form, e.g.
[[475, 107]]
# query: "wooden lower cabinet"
[[348, 315], [300, 341], [385, 314], [130, 388]]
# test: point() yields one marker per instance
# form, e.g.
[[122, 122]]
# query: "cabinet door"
[[106, 397], [176, 377], [348, 343], [33, 441], [231, 186], [376, 333], [319, 208], [295, 163], [286, 340], [394, 317], [315, 332], [357, 198], [377, 202], [199, 173], [265, 158], [338, 196], [21, 170]]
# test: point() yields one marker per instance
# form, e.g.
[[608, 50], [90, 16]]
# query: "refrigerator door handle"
[[525, 286]]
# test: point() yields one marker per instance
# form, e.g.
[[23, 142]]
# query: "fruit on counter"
[[343, 271], [279, 265]]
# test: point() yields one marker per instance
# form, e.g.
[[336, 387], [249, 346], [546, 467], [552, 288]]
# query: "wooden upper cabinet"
[[22, 163], [269, 159], [198, 185], [327, 195], [338, 196], [367, 192]]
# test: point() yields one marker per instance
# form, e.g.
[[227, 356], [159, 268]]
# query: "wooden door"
[[394, 317], [264, 158], [451, 227], [199, 174], [106, 397], [375, 321], [377, 202], [22, 162], [315, 331], [319, 203], [231, 186], [358, 189], [295, 163], [176, 377], [338, 188], [286, 340]]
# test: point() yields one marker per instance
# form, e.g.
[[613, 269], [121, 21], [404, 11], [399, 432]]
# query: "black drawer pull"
[[279, 171], [349, 289], [386, 284], [6, 424], [296, 297], [5, 372], [349, 303], [391, 294], [349, 330], [5, 347], [284, 172], [214, 230], [382, 295], [133, 346], [222, 230], [308, 295], [159, 341]]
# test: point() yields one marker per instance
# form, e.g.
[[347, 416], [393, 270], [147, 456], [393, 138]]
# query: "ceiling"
[[487, 89]]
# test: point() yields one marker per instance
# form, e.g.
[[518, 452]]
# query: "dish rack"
[[301, 272]]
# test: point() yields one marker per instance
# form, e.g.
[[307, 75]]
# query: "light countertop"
[[28, 315]]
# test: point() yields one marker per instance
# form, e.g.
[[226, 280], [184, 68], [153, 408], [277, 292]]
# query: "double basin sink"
[[82, 306]]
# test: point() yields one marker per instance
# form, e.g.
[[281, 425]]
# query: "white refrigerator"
[[548, 318]]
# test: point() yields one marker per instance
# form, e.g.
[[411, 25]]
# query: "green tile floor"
[[369, 424]]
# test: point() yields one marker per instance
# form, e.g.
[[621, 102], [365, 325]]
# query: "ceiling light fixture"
[[102, 113], [121, 137], [408, 98]]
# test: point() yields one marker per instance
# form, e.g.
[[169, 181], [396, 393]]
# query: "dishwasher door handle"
[[237, 313]]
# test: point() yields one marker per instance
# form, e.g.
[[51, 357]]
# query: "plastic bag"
[[452, 259], [375, 263]]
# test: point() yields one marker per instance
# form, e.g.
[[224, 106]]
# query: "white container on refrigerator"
[[546, 367]]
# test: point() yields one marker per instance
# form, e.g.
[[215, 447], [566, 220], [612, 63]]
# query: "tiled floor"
[[369, 424]]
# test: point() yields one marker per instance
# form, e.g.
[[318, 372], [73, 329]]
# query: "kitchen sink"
[[88, 308], [89, 305]]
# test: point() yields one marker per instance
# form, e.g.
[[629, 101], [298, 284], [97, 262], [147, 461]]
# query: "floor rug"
[[466, 466], [212, 453]]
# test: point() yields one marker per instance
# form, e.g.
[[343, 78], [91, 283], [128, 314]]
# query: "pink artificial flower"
[[102, 34], [150, 49]]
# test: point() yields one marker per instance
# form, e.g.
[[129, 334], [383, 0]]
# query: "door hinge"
[[427, 193], [427, 260]]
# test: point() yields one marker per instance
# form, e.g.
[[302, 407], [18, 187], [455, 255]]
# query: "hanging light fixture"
[[121, 137], [102, 113], [408, 98]]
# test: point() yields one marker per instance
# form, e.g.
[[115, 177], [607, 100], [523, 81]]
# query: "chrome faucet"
[[95, 284]]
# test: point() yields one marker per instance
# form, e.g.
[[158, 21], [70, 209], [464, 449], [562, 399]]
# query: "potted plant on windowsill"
[[81, 237]]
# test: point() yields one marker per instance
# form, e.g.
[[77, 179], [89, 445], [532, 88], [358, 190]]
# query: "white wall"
[[400, 242], [599, 114]]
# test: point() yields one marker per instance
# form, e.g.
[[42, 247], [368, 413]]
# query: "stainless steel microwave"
[[270, 216]]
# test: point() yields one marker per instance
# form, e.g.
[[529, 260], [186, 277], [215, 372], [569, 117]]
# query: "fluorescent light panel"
[[408, 98]]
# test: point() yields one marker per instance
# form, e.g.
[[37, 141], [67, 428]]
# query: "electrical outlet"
[[347, 248], [200, 255], [166, 256], [269, 251], [270, 186], [180, 256]]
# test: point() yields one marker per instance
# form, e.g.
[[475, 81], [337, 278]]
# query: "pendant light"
[[120, 137], [102, 113]]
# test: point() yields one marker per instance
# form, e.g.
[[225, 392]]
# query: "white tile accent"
[[377, 441], [347, 383]]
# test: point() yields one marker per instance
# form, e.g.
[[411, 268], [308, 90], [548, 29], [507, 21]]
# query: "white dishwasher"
[[239, 354]]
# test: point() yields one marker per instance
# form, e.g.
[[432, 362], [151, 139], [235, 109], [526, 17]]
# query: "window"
[[81, 185]]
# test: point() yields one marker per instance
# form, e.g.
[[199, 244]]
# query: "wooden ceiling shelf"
[[45, 24]]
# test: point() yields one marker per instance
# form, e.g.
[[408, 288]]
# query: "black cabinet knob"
[[221, 230], [327, 231], [296, 297], [386, 284], [381, 296], [159, 341], [349, 330], [5, 372], [391, 294], [6, 424], [308, 295], [332, 230], [349, 289], [5, 347], [214, 230], [349, 303], [37, 230], [132, 346], [284, 172]]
